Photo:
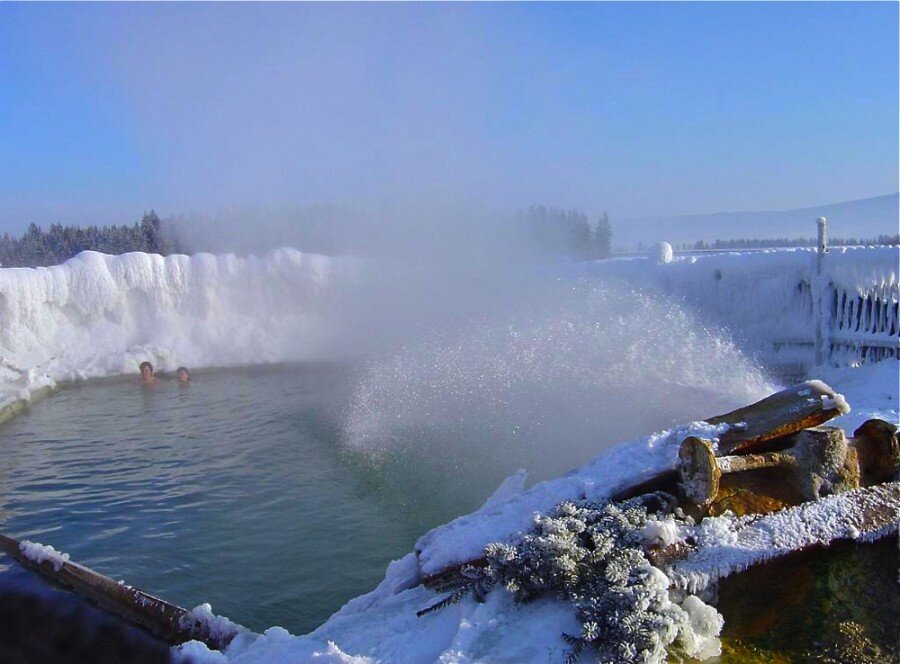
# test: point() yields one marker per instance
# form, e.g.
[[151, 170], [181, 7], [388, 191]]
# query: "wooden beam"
[[167, 621], [777, 416]]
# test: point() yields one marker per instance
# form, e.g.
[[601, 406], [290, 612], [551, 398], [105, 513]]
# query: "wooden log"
[[818, 461], [878, 446], [762, 426], [167, 621], [777, 416]]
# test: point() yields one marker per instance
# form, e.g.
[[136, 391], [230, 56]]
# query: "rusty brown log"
[[765, 425], [878, 446], [818, 461], [777, 416], [167, 621]]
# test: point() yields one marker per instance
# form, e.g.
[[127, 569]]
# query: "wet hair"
[[184, 369], [145, 364]]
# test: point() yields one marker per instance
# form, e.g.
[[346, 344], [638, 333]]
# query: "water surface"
[[233, 491]]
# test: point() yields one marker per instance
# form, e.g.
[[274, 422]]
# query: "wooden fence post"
[[820, 316]]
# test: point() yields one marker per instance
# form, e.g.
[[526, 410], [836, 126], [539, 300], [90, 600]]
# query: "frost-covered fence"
[[776, 302]]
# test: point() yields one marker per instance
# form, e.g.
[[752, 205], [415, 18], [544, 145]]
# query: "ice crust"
[[217, 628]]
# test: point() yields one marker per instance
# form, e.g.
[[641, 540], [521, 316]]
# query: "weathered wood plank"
[[167, 621]]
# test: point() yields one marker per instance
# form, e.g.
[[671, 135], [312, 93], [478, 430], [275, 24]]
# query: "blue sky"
[[637, 108]]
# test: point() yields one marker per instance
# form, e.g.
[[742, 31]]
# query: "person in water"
[[183, 375], [147, 377]]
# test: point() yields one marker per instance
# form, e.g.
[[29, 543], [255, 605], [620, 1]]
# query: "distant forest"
[[700, 245], [548, 230], [568, 232], [37, 247], [553, 232]]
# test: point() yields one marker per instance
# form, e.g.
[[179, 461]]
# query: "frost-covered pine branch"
[[591, 555]]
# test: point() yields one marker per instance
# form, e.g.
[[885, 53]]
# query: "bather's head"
[[183, 375], [146, 372]]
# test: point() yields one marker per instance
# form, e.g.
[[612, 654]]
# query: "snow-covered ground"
[[100, 315]]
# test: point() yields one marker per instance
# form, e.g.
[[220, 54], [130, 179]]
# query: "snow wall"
[[98, 315], [771, 301]]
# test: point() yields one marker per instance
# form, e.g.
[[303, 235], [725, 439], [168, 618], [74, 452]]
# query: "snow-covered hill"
[[864, 218]]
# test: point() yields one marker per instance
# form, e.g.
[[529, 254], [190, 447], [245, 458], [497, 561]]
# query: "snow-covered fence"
[[863, 317], [777, 303]]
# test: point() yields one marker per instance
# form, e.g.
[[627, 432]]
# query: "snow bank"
[[464, 538], [98, 315], [218, 629]]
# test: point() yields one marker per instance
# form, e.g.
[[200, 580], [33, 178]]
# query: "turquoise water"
[[234, 491]]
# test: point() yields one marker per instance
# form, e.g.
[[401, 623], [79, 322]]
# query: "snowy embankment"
[[98, 315]]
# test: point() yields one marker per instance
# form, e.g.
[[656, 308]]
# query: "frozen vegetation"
[[99, 315]]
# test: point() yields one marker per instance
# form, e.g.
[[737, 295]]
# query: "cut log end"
[[700, 473]]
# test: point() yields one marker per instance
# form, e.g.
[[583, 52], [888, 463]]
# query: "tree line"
[[37, 247], [569, 232], [549, 231], [774, 243]]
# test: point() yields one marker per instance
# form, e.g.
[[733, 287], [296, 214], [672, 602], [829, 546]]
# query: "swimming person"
[[147, 377], [183, 375]]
